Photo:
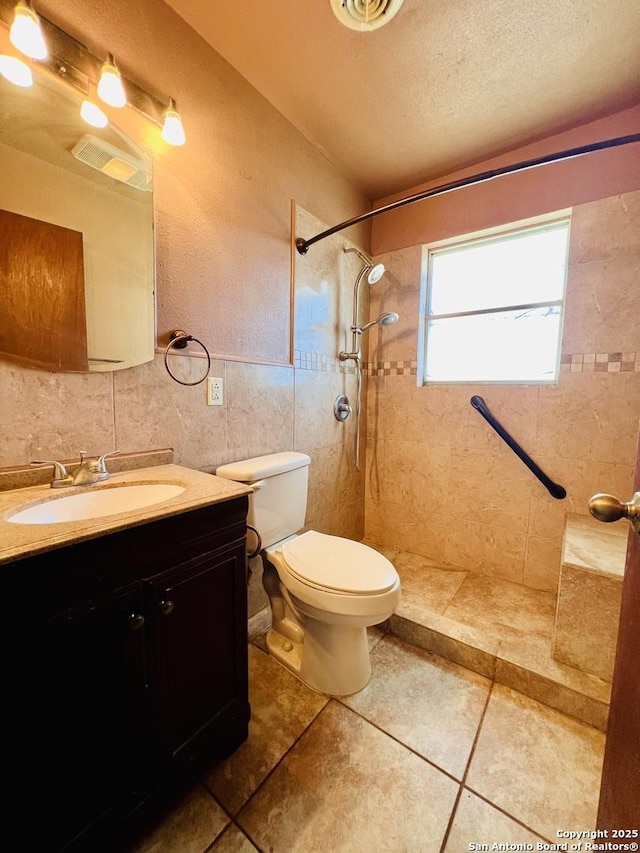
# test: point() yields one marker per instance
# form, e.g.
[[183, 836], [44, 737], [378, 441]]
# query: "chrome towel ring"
[[179, 340]]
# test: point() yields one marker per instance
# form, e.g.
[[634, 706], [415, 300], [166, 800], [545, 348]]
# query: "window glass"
[[494, 307]]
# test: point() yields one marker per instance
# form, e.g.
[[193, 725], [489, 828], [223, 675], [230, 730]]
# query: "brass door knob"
[[608, 508]]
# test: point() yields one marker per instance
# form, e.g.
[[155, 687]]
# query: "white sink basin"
[[96, 503]]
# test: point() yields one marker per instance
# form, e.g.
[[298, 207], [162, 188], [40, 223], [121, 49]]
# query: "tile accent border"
[[321, 362], [600, 362], [590, 362], [392, 368]]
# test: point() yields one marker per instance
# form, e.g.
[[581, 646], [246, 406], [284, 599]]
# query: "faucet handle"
[[101, 464], [61, 476]]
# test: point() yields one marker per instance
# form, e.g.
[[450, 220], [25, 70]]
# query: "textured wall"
[[441, 483]]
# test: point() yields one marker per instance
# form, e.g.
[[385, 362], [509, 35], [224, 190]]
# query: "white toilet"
[[324, 591]]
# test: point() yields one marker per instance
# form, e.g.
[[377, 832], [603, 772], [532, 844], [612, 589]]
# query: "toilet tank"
[[278, 504]]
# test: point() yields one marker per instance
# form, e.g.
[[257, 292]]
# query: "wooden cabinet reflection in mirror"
[[42, 294]]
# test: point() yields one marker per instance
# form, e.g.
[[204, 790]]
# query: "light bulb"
[[93, 115], [26, 32], [110, 88], [16, 71], [172, 129]]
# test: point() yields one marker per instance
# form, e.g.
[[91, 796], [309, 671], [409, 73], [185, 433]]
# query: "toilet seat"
[[338, 565]]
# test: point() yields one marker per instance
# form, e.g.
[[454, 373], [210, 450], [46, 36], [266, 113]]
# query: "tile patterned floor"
[[429, 758]]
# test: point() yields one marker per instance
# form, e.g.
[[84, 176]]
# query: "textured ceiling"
[[443, 85]]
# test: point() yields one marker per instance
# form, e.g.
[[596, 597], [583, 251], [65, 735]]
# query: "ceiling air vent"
[[111, 161], [365, 14]]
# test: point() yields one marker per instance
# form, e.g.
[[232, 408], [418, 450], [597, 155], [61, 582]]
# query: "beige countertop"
[[23, 540]]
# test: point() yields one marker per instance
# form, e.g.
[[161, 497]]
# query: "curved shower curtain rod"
[[302, 245]]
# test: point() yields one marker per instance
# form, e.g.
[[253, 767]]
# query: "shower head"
[[374, 271], [386, 319]]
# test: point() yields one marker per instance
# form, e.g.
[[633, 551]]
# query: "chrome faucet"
[[92, 470], [89, 471]]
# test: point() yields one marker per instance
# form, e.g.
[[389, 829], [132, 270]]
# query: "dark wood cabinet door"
[[77, 716], [198, 615]]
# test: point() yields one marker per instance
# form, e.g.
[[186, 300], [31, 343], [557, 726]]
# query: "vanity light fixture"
[[26, 32], [93, 115], [60, 54], [16, 71], [172, 129], [110, 88]]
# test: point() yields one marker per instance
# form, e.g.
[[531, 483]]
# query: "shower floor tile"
[[426, 586], [502, 608], [497, 628]]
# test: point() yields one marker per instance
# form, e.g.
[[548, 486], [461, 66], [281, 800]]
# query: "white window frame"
[[508, 230]]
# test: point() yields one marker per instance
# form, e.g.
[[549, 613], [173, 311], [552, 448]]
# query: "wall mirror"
[[77, 270]]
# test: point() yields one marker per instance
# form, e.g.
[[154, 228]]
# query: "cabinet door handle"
[[166, 607], [136, 621]]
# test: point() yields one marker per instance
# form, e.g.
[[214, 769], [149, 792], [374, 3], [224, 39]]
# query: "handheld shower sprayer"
[[386, 319]]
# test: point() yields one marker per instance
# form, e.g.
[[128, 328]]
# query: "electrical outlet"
[[214, 391]]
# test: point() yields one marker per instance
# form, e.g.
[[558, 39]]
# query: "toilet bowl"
[[328, 591], [324, 591]]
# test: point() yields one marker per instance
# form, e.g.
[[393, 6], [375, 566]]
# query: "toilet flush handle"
[[259, 484]]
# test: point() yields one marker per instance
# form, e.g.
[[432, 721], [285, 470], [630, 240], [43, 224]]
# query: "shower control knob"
[[341, 408], [607, 508]]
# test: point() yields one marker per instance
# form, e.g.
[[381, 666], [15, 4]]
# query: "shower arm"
[[303, 245]]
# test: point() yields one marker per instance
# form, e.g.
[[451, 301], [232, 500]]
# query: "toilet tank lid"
[[260, 467]]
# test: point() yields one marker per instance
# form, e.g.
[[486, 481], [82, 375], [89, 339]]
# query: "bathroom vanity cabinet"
[[125, 667]]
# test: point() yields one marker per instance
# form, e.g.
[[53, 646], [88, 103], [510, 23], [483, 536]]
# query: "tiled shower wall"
[[442, 484]]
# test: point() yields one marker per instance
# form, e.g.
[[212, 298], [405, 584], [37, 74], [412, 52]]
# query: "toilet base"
[[332, 659]]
